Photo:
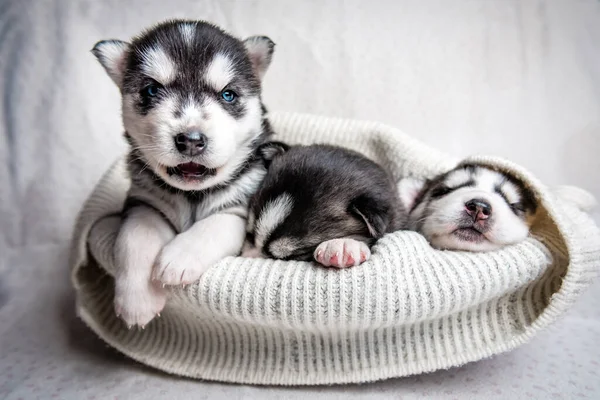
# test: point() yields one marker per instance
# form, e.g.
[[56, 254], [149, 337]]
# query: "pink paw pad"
[[342, 253]]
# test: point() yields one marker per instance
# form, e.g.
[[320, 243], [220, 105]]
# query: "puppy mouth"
[[191, 171], [469, 234]]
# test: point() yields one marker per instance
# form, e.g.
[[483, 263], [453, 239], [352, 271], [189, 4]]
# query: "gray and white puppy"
[[192, 112], [321, 202], [471, 208]]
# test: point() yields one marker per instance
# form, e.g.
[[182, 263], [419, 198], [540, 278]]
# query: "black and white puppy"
[[321, 202], [192, 112], [469, 208]]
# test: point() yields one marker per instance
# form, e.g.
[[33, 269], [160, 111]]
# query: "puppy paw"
[[138, 303], [178, 264], [342, 253]]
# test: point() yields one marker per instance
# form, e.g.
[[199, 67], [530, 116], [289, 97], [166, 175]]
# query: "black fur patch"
[[336, 193]]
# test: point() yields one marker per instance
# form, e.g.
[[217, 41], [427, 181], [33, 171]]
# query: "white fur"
[[272, 215], [283, 247], [342, 253], [141, 237], [192, 252], [219, 72], [457, 178], [223, 132], [157, 64], [244, 188], [191, 115], [188, 31], [231, 140], [510, 191], [408, 190], [153, 133], [112, 56], [260, 54]]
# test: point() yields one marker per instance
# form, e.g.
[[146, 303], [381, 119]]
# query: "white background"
[[519, 79]]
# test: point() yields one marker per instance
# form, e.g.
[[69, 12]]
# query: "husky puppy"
[[321, 202], [192, 112], [471, 208]]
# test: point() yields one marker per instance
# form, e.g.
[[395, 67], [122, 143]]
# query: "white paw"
[[342, 253], [137, 303], [179, 263]]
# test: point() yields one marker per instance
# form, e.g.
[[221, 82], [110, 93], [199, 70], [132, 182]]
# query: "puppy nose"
[[478, 209], [190, 143]]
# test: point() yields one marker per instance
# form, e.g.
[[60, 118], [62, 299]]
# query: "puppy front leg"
[[192, 252], [142, 236]]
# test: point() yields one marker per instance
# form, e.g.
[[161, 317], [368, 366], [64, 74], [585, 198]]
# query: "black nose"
[[478, 209], [190, 143]]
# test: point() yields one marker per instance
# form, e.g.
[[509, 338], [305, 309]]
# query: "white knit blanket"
[[409, 309]]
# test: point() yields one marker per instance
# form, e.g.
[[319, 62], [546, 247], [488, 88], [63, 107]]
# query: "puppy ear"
[[260, 50], [374, 214], [112, 54], [409, 190], [268, 151]]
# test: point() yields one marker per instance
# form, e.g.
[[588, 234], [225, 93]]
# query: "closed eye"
[[517, 208], [440, 191], [444, 190]]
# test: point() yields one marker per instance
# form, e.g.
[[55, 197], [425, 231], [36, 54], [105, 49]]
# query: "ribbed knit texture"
[[409, 309]]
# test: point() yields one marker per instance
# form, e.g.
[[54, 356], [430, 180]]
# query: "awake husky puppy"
[[321, 202], [469, 208], [192, 112]]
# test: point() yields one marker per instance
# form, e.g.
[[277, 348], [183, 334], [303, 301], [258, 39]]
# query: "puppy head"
[[190, 97], [296, 210], [469, 208], [286, 228]]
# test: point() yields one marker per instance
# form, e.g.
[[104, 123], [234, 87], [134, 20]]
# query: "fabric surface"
[[408, 309], [511, 78]]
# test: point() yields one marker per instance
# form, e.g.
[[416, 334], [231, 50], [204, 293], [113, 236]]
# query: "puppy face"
[[469, 208], [190, 98]]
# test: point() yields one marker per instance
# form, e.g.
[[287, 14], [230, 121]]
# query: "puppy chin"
[[180, 183], [449, 241]]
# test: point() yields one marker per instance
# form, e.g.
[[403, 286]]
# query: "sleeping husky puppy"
[[321, 202], [192, 112], [330, 204], [469, 208]]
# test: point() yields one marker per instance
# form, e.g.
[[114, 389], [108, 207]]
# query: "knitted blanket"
[[409, 309]]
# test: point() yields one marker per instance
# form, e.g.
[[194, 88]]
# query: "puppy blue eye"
[[151, 90], [228, 95]]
